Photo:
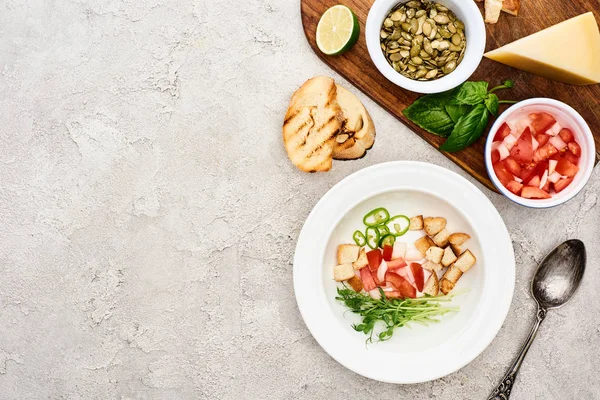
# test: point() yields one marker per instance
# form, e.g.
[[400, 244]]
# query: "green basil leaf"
[[429, 113], [456, 110], [472, 93], [467, 130], [491, 102]]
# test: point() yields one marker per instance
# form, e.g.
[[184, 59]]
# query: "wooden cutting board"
[[356, 66]]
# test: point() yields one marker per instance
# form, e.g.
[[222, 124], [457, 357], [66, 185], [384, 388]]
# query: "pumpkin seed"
[[456, 39], [431, 74], [383, 34], [454, 47], [396, 57], [393, 45], [451, 66], [452, 28], [432, 13], [388, 23], [404, 53], [427, 47], [405, 26], [441, 19], [396, 16], [421, 73], [426, 28], [393, 51], [414, 25]]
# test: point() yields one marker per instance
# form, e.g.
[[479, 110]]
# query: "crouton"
[[465, 261], [456, 249], [449, 257], [433, 225], [434, 254], [347, 253], [416, 223], [458, 238], [492, 10], [356, 283], [432, 266], [432, 286], [441, 239], [343, 272], [423, 244], [362, 261], [450, 278]]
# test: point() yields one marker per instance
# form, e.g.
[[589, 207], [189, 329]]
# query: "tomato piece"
[[544, 152], [567, 168], [503, 173], [546, 187], [541, 122], [387, 252], [513, 166], [566, 135], [542, 138], [376, 278], [419, 275], [495, 156], [522, 151], [367, 279], [537, 169], [374, 258], [532, 192], [503, 132], [395, 264], [401, 284], [514, 187], [561, 184], [571, 157], [574, 148], [555, 156], [535, 181]]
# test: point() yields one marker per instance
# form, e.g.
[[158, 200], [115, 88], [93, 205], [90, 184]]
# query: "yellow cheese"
[[567, 52]]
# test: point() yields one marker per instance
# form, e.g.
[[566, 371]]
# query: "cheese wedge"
[[567, 52]]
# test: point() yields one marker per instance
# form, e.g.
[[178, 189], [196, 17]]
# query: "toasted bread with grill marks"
[[311, 124], [357, 133]]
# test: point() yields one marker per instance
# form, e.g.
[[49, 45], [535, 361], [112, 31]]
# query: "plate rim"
[[451, 175]]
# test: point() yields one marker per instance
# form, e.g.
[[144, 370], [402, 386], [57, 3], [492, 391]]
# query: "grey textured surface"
[[149, 214]]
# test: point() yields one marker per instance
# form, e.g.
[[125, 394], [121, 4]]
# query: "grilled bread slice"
[[312, 121], [357, 134]]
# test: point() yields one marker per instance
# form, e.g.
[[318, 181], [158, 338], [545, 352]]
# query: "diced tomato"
[[546, 187], [418, 274], [544, 152], [503, 173], [532, 192], [535, 181], [387, 252], [376, 278], [514, 187], [554, 156], [374, 258], [574, 148], [523, 150], [541, 122], [401, 284], [395, 264], [503, 132], [567, 168], [513, 166], [495, 156], [561, 184], [367, 279], [538, 169], [567, 155], [542, 138], [566, 135]]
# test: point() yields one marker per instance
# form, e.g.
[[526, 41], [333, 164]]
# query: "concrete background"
[[148, 215]]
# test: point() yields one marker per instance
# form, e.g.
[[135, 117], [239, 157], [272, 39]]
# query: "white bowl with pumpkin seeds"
[[426, 46]]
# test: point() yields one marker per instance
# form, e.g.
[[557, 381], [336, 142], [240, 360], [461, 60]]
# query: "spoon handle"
[[503, 390]]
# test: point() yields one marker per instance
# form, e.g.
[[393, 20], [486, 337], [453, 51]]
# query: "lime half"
[[337, 30]]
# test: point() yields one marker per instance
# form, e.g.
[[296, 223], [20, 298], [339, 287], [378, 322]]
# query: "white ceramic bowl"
[[419, 353], [465, 10], [568, 118]]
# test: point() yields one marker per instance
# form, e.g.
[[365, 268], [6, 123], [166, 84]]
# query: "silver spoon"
[[554, 282]]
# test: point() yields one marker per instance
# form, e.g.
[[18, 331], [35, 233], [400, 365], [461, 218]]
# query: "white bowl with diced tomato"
[[540, 153]]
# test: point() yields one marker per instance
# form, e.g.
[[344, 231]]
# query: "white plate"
[[416, 354]]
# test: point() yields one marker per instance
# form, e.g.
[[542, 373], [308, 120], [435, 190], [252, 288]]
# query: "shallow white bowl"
[[466, 10], [568, 118], [419, 353]]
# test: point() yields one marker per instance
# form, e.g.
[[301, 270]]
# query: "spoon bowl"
[[559, 274]]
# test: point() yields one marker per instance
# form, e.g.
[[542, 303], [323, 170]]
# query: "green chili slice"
[[387, 240], [372, 235], [398, 225], [359, 238], [383, 230], [376, 217]]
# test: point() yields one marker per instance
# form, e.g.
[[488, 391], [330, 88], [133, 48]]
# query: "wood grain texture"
[[357, 67]]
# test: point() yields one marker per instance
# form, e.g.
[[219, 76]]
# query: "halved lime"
[[337, 30]]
